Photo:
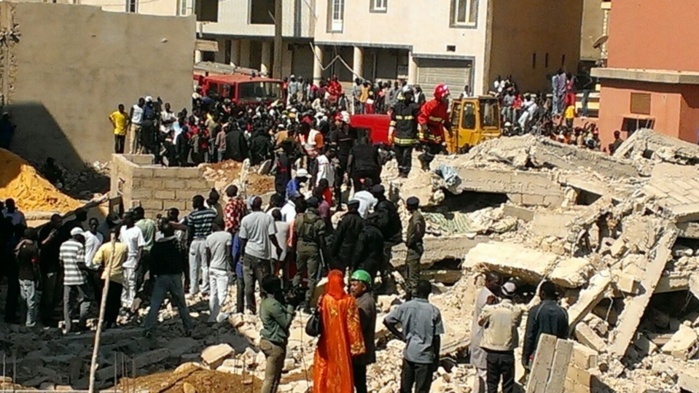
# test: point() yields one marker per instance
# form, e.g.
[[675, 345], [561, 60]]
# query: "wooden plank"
[[633, 311], [589, 297], [541, 365], [559, 367]]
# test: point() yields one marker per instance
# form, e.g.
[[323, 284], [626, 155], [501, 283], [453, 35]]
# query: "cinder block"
[[173, 184], [179, 204], [583, 357], [141, 193], [187, 195], [164, 194], [153, 184], [152, 204], [201, 185], [683, 344], [188, 173], [141, 172], [579, 377], [164, 172]]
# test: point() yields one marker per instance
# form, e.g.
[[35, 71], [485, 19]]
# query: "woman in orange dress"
[[340, 338]]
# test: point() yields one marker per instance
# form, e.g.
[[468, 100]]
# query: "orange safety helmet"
[[441, 91]]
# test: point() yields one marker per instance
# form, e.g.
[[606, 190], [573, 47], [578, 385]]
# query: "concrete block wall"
[[521, 187], [154, 187]]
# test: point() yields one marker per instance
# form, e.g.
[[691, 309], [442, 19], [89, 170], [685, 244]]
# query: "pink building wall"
[[654, 34]]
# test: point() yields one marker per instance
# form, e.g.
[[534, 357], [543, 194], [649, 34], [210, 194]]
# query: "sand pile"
[[20, 180]]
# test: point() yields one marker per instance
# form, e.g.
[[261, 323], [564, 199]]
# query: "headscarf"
[[336, 285]]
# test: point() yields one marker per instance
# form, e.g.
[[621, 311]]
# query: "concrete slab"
[[683, 344]]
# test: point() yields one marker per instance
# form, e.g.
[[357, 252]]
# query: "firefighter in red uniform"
[[432, 121]]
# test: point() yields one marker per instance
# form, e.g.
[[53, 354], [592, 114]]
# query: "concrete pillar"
[[197, 56], [318, 64], [219, 57], [412, 69], [287, 60], [266, 64], [244, 53], [235, 52], [358, 62]]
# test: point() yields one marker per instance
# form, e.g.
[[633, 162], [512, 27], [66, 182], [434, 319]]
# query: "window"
[[468, 119], [132, 6], [489, 114], [337, 14], [262, 12], [464, 12], [379, 5], [182, 7]]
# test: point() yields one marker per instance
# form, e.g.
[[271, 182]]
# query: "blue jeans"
[[164, 284], [81, 295], [585, 100], [27, 292]]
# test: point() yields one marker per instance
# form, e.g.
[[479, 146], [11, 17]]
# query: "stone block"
[[584, 357], [551, 223], [519, 212], [214, 355], [187, 173], [199, 184], [618, 247], [164, 194], [588, 337], [187, 195], [153, 184], [571, 272], [511, 259], [165, 173], [579, 376], [179, 204], [689, 379], [152, 204], [143, 173], [173, 184], [683, 344], [141, 193]]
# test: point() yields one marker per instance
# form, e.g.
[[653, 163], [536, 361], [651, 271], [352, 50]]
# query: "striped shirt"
[[201, 222], [71, 253]]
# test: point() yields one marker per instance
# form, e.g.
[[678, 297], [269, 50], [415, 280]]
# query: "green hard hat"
[[361, 275]]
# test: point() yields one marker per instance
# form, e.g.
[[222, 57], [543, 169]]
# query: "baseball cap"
[[412, 202], [76, 231], [301, 173]]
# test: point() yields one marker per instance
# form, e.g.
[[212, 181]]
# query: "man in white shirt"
[[168, 118], [289, 209], [134, 125], [324, 168], [365, 198], [93, 240], [132, 236]]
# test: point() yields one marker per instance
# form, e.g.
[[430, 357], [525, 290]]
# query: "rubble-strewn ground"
[[618, 235]]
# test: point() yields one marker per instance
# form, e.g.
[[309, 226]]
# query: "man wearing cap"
[[413, 240], [134, 126], [72, 257], [294, 185], [310, 232], [346, 235], [360, 285], [500, 338], [403, 130]]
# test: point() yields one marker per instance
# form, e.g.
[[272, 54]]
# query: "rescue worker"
[[390, 225], [346, 236], [413, 240], [403, 130], [310, 235], [364, 163], [433, 119], [341, 140]]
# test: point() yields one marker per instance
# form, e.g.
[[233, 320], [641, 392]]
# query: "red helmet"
[[441, 91]]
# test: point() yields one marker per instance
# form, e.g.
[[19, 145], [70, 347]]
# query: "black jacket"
[[236, 146], [346, 236], [389, 221], [260, 148], [545, 318], [166, 257], [368, 254], [404, 120], [365, 158]]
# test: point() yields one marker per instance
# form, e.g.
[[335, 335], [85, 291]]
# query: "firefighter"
[[413, 240], [433, 119], [403, 130], [310, 230]]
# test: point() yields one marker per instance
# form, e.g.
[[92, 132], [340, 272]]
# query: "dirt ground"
[[228, 171], [203, 381]]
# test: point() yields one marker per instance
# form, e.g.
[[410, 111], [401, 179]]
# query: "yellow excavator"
[[473, 121]]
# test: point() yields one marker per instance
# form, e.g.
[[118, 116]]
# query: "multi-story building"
[[458, 42], [652, 76]]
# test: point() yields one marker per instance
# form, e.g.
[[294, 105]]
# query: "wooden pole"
[[100, 321]]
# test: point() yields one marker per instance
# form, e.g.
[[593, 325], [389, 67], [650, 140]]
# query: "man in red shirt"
[[235, 210], [432, 121]]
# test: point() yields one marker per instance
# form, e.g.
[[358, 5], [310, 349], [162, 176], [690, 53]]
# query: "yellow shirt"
[[570, 112], [103, 257], [119, 121]]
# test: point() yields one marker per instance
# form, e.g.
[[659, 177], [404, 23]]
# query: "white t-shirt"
[[167, 116], [289, 212], [282, 237], [366, 202], [137, 116], [133, 238], [325, 170], [256, 228], [92, 244]]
